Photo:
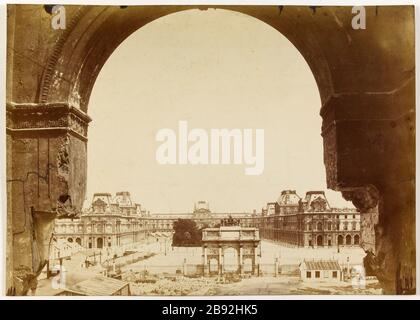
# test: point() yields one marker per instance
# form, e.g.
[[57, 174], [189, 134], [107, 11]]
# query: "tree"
[[186, 233]]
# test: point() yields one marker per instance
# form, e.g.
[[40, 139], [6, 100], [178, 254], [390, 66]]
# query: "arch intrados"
[[95, 33]]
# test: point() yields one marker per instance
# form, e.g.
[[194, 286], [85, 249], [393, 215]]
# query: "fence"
[[273, 269], [171, 270], [192, 270], [268, 269], [289, 269], [111, 263], [188, 270]]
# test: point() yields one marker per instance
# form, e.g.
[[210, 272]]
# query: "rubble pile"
[[170, 286]]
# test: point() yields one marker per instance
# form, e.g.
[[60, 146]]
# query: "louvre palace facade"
[[111, 221]]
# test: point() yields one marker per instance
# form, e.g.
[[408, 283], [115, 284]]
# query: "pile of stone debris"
[[229, 278], [169, 285]]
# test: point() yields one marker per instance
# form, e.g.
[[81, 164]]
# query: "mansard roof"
[[316, 201], [288, 198], [115, 204]]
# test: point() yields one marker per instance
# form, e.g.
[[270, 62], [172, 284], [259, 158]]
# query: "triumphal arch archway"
[[230, 248]]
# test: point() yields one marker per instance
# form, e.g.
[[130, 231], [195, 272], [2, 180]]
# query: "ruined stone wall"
[[46, 148]]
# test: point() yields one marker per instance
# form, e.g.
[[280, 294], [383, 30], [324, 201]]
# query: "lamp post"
[[338, 236], [348, 268]]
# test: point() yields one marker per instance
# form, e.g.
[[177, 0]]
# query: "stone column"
[[369, 155], [240, 260], [205, 262], [220, 260], [256, 262], [46, 179], [184, 267]]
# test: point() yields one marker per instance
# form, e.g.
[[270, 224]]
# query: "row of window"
[[319, 226], [98, 228], [348, 240], [326, 274]]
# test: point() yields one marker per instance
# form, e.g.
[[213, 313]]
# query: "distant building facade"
[[309, 222], [108, 222], [304, 222], [202, 215]]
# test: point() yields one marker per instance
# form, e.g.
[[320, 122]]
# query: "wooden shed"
[[320, 270], [98, 286]]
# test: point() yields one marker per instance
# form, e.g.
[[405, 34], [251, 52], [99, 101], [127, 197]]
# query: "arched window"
[[356, 239], [99, 243], [348, 239], [340, 239], [319, 241], [319, 226]]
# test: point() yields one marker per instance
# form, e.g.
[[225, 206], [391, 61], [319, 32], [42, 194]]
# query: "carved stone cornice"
[[363, 198], [46, 117], [362, 130]]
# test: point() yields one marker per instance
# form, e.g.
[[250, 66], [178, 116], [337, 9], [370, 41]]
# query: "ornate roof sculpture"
[[228, 222]]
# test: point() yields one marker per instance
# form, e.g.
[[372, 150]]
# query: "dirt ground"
[[282, 285]]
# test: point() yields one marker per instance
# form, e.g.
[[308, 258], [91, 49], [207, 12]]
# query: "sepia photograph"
[[209, 150]]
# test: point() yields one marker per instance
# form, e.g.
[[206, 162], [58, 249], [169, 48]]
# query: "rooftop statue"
[[230, 222]]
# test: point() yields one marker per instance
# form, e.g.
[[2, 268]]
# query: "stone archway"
[[348, 240], [356, 239], [230, 259], [366, 89], [213, 266], [340, 240], [247, 265]]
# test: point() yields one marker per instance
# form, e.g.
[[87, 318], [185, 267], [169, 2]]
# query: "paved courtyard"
[[167, 256]]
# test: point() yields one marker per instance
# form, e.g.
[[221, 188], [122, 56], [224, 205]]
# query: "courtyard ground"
[[168, 257], [159, 273]]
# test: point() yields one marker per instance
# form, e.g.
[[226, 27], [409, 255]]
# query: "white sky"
[[215, 69]]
